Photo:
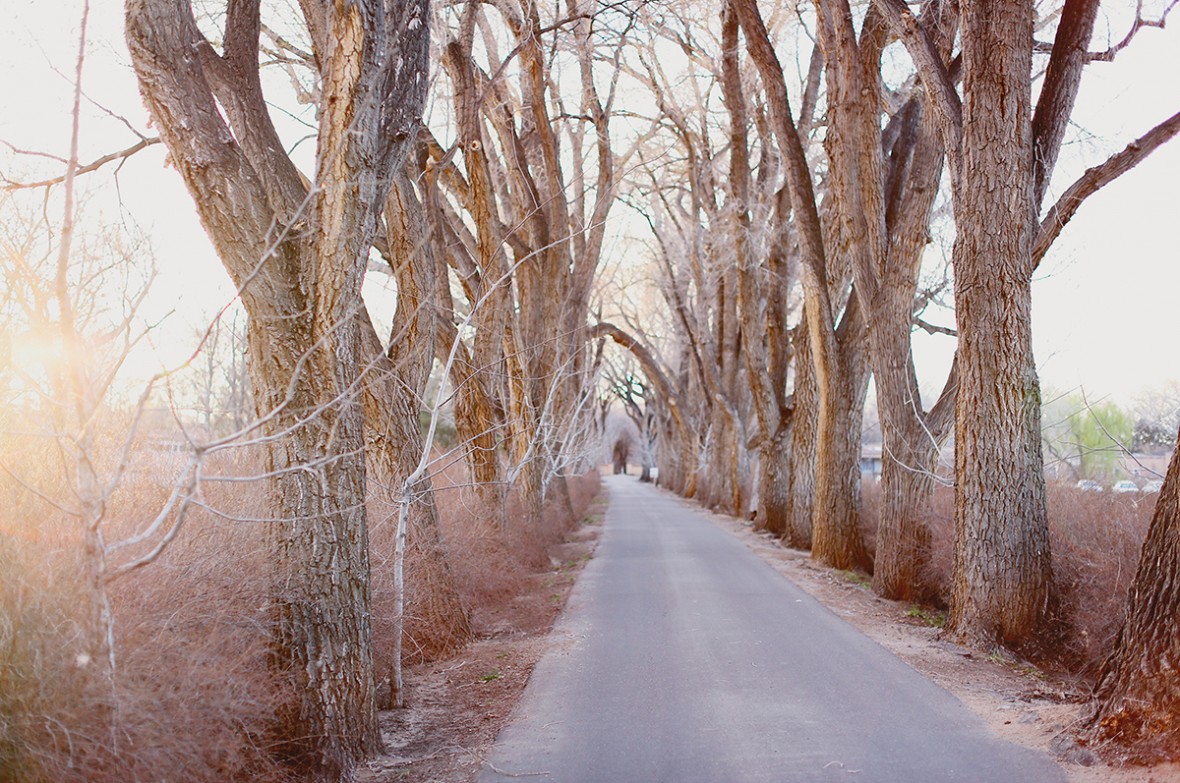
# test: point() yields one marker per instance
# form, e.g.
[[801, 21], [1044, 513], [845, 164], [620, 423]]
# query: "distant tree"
[[1100, 432], [679, 440], [218, 381], [632, 391], [1087, 437], [519, 201], [1157, 416], [621, 449]]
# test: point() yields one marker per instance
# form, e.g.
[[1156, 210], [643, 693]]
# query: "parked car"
[[1125, 486], [1089, 485], [1152, 487]]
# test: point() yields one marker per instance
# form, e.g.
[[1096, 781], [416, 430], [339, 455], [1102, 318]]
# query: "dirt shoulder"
[[456, 707], [1018, 702]]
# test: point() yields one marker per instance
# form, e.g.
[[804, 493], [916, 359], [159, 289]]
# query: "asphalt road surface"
[[683, 658]]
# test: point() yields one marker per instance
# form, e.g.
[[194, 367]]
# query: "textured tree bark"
[[477, 419], [298, 257], [761, 299], [836, 339], [1137, 697], [903, 537], [435, 621], [1001, 162], [912, 443], [836, 537], [1001, 556], [801, 467], [476, 423], [774, 484], [320, 578], [724, 470], [911, 436]]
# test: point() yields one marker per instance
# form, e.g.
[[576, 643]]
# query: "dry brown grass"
[[192, 698], [1095, 539], [492, 569]]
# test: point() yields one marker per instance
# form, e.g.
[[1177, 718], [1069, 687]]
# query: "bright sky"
[[1103, 301]]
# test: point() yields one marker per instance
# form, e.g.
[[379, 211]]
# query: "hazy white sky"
[[1104, 300]]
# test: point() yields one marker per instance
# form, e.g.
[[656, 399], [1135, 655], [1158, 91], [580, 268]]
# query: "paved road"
[[683, 658]]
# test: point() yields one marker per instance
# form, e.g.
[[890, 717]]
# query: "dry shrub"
[[940, 521], [494, 568], [1095, 540], [870, 513], [191, 696], [939, 518], [490, 569]]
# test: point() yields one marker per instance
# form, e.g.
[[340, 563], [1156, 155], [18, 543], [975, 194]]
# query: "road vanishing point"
[[683, 658]]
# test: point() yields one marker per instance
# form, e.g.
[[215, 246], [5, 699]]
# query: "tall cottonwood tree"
[[297, 252], [1001, 155], [709, 223], [835, 317], [885, 161], [762, 298], [725, 250]]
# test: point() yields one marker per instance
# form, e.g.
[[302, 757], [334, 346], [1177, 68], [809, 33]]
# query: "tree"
[[1095, 435], [1137, 696], [1001, 155], [835, 318], [1157, 416], [999, 592], [522, 223], [885, 161], [633, 393], [762, 299], [297, 252], [679, 442]]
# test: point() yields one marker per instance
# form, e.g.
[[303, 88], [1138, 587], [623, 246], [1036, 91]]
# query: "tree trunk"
[[801, 467], [298, 255], [1001, 556], [903, 537], [524, 443], [320, 579], [1137, 697], [836, 535], [561, 488], [435, 622], [723, 471], [911, 443], [677, 457], [774, 484]]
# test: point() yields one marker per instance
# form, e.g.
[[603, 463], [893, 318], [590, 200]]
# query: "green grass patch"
[[931, 617]]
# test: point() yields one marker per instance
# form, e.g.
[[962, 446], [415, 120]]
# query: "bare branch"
[[935, 75], [930, 328], [1094, 179], [94, 165], [1139, 23]]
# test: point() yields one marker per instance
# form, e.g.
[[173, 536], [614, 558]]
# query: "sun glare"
[[36, 353]]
